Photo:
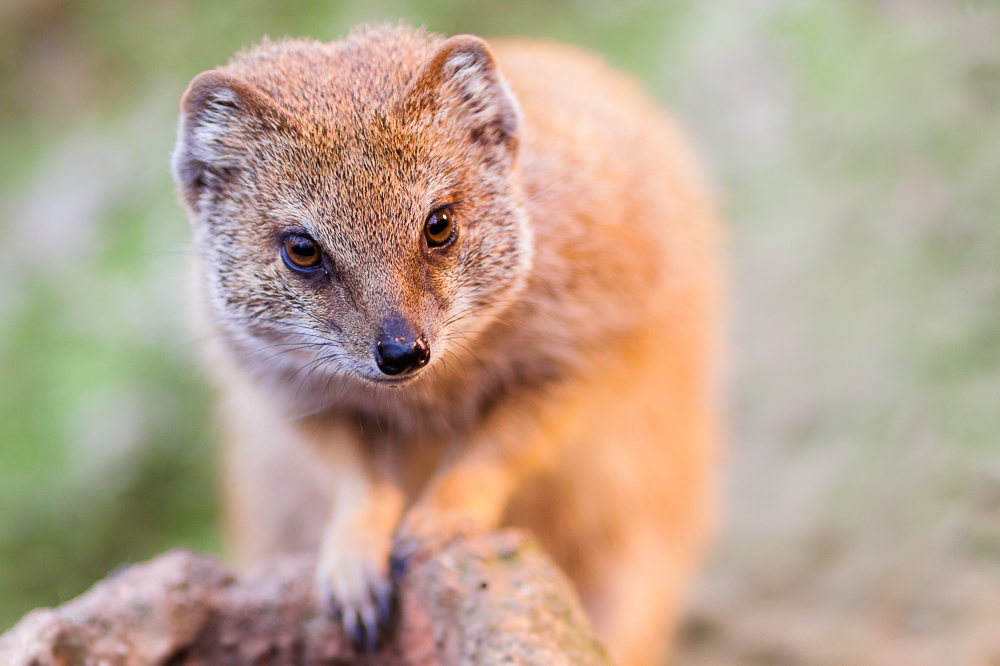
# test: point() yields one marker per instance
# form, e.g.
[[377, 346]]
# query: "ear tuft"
[[217, 110], [464, 66]]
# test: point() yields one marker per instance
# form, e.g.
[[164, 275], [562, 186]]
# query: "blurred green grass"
[[857, 148]]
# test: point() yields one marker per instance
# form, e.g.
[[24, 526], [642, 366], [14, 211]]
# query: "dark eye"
[[301, 253], [440, 227]]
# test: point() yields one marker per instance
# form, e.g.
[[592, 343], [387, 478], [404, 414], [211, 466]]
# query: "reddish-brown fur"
[[572, 323]]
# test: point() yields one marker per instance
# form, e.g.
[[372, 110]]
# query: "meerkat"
[[450, 287]]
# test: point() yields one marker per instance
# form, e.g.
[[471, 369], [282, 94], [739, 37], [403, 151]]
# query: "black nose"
[[399, 355]]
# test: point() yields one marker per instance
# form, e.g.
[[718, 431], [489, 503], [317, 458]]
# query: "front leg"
[[470, 491], [465, 499], [353, 567]]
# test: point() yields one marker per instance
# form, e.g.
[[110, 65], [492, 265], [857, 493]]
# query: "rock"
[[496, 599]]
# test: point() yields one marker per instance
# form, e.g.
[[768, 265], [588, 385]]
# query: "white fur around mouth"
[[390, 382]]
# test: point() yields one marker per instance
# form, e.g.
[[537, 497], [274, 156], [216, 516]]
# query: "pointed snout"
[[400, 350]]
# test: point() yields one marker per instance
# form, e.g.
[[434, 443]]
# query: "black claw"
[[329, 602], [364, 624], [364, 637], [383, 599], [358, 637], [398, 564]]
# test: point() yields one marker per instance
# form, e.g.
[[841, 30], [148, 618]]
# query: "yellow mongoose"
[[451, 287]]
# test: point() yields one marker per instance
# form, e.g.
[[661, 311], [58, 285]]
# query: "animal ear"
[[463, 78], [219, 112]]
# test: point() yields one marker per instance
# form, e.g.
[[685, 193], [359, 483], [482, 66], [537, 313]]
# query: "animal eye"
[[440, 227], [301, 253]]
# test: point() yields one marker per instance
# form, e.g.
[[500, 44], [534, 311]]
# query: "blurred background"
[[856, 146]]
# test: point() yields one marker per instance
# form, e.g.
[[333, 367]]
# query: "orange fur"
[[572, 323]]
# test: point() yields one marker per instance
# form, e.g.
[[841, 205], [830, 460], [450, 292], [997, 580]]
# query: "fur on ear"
[[463, 78], [218, 110]]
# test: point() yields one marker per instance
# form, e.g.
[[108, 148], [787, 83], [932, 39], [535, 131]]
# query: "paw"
[[424, 532], [354, 586]]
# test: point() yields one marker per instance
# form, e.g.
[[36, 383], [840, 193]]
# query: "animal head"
[[355, 205]]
